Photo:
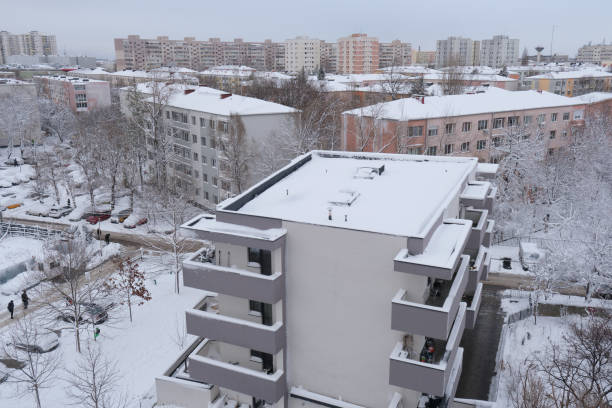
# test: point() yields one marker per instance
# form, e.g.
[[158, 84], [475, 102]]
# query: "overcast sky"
[[88, 27]]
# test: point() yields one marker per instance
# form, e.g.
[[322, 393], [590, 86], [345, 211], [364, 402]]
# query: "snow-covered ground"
[[14, 253], [516, 300], [498, 253], [142, 350]]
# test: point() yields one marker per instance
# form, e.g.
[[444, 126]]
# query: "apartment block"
[[395, 54], [20, 93], [455, 51], [303, 53], [32, 43], [328, 284], [329, 57], [499, 51], [462, 125], [571, 83], [423, 58], [80, 94], [594, 54], [137, 53], [197, 121], [358, 54]]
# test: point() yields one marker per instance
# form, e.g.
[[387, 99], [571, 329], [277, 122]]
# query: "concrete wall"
[[183, 393]]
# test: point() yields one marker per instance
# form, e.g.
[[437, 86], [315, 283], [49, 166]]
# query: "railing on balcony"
[[479, 221], [476, 270], [473, 302]]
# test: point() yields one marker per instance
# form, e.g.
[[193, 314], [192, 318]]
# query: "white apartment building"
[[455, 51], [343, 280], [32, 43], [196, 119], [21, 94], [395, 54], [329, 56], [594, 54], [499, 51], [303, 53]]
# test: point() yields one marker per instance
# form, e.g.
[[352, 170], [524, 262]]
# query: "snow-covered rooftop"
[[210, 100], [68, 78], [403, 199], [12, 81], [90, 71], [583, 73], [470, 77], [229, 70], [410, 69], [493, 100], [594, 97]]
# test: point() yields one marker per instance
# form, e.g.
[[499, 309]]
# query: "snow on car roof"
[[403, 196]]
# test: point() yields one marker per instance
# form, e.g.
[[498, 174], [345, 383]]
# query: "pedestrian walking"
[[68, 202], [11, 308], [107, 238], [96, 333], [99, 232], [25, 299]]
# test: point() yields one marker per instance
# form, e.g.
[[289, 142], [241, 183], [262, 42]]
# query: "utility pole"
[[552, 36]]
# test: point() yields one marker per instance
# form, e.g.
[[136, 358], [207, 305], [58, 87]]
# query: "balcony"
[[489, 203], [476, 271], [434, 318], [488, 237], [475, 194], [479, 222], [434, 376], [442, 254], [474, 306], [210, 324], [201, 273], [206, 366]]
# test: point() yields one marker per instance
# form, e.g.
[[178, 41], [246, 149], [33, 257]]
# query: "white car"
[[46, 340], [58, 212], [40, 210]]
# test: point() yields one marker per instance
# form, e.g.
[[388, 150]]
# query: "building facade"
[[358, 54], [270, 338], [594, 54], [499, 51], [570, 83], [197, 120], [462, 125], [455, 51], [303, 53], [137, 53], [423, 58], [20, 95], [80, 94], [32, 43], [395, 54]]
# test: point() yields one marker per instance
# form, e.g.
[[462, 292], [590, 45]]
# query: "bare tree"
[[37, 370], [57, 119], [88, 153], [236, 154], [48, 161], [95, 381], [16, 116], [129, 282], [453, 80], [524, 386]]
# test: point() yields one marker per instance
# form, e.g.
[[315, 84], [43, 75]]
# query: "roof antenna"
[[329, 215], [345, 218]]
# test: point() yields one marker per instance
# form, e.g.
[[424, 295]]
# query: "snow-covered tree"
[[236, 154], [57, 119], [129, 283]]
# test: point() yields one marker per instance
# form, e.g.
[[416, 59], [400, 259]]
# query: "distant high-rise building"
[[499, 51], [357, 54], [594, 54], [329, 56], [423, 58], [454, 51], [32, 43], [303, 53], [145, 54], [395, 53]]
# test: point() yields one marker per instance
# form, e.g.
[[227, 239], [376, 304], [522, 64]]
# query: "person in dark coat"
[[107, 238], [25, 299], [11, 308]]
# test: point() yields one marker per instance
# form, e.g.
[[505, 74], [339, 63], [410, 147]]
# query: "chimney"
[[225, 95], [423, 100], [329, 216], [188, 91]]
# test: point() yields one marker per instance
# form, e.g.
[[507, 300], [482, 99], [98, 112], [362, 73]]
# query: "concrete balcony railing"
[[475, 271], [233, 281], [244, 333], [475, 194], [431, 378], [205, 366], [479, 223], [490, 202], [473, 307], [488, 237], [431, 320]]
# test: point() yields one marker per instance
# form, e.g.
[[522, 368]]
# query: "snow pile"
[[107, 252]]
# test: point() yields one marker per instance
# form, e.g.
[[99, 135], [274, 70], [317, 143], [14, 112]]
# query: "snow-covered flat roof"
[[209, 223], [68, 78], [476, 190], [583, 73], [594, 97], [402, 200], [493, 100], [90, 71], [470, 77]]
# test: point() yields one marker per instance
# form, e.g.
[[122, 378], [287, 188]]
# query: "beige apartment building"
[[303, 53], [197, 120], [423, 58], [358, 54], [32, 43], [571, 83], [462, 125], [80, 94], [135, 53], [326, 285]]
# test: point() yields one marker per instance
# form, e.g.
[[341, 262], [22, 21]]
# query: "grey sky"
[[88, 27]]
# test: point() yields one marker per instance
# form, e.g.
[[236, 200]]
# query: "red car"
[[94, 219]]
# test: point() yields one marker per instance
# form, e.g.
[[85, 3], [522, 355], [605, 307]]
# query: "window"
[[206, 195], [564, 134], [465, 146], [466, 126], [481, 144], [449, 128], [553, 117], [255, 308], [431, 151], [81, 100], [257, 356], [415, 131], [213, 142], [202, 122], [541, 118], [167, 114], [215, 199], [498, 123], [254, 255], [194, 138], [203, 141], [565, 115], [527, 120], [497, 141], [205, 177], [212, 124], [513, 121], [225, 185], [448, 149], [213, 162], [433, 131], [483, 124], [578, 115], [223, 126], [197, 191], [413, 150], [193, 121], [553, 134], [214, 181], [195, 156]]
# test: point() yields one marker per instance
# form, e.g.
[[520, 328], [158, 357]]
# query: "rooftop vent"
[[344, 198], [225, 95], [188, 91], [369, 172]]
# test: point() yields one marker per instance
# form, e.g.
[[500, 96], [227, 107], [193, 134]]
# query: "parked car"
[[57, 212], [119, 216], [94, 219], [530, 255], [38, 210], [90, 313], [45, 341], [133, 220]]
